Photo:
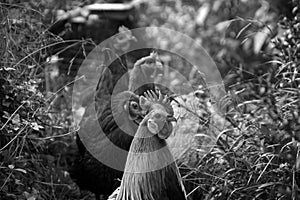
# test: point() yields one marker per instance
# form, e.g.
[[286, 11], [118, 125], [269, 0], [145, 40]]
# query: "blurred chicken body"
[[93, 175], [118, 117], [143, 74]]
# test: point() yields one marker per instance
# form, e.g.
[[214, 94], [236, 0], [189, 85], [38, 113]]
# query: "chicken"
[[91, 174], [118, 116], [144, 75], [151, 172]]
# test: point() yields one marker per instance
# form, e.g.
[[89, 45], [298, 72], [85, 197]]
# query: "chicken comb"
[[154, 54], [152, 97]]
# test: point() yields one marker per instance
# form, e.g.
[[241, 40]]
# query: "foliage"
[[30, 168], [256, 155]]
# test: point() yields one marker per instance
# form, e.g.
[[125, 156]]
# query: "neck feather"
[[148, 165]]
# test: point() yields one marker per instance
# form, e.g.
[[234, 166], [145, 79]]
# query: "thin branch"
[[14, 137]]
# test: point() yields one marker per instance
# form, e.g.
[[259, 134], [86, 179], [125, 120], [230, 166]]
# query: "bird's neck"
[[148, 164], [145, 141], [147, 152]]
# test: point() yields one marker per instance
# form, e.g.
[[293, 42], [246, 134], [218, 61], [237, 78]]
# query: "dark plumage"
[[117, 116], [151, 172], [87, 171]]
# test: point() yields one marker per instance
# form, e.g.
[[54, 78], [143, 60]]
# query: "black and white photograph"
[[150, 100]]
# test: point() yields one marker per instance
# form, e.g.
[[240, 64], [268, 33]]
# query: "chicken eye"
[[149, 62], [157, 116], [134, 105]]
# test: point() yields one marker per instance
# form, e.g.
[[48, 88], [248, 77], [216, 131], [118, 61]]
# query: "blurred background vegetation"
[[256, 47]]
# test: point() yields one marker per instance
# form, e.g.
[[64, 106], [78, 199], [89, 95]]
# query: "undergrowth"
[[256, 155], [31, 164]]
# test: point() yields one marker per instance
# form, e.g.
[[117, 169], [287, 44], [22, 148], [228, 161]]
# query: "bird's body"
[[117, 121], [88, 172], [161, 184], [151, 172]]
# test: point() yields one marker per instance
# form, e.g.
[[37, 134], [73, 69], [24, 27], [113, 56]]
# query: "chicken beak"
[[171, 119], [159, 65], [143, 113]]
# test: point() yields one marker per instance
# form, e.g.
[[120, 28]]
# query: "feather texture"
[[88, 172], [151, 172], [115, 117]]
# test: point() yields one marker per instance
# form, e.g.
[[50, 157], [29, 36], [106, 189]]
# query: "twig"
[[12, 115], [60, 89], [14, 137], [45, 47], [191, 192], [6, 180], [51, 184], [53, 136]]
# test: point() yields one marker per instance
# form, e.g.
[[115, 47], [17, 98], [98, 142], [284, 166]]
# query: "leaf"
[[11, 166], [222, 26], [21, 170], [16, 119], [35, 126], [9, 69], [259, 40], [267, 185], [31, 66], [202, 14]]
